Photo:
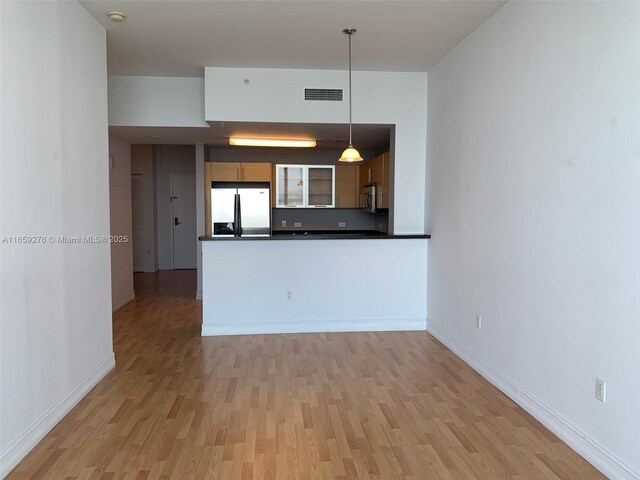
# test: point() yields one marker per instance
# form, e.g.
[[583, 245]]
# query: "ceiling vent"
[[323, 94]]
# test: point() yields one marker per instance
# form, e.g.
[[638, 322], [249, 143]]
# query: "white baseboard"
[[131, 296], [315, 326], [138, 269], [600, 457], [198, 294], [165, 266], [150, 269], [16, 451]]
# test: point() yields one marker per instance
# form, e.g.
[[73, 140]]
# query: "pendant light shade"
[[350, 154]]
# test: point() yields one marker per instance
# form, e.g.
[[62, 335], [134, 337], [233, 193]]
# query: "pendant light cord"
[[350, 139]]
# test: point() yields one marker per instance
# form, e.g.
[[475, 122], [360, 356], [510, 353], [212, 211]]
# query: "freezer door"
[[255, 207], [222, 211]]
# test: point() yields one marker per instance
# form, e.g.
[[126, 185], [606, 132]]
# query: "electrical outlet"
[[342, 224], [284, 223], [297, 224], [289, 294], [479, 321], [601, 390]]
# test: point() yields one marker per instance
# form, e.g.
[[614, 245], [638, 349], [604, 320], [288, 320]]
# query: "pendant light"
[[350, 154]]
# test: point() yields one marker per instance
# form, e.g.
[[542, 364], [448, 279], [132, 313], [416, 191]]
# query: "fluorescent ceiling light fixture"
[[270, 142]]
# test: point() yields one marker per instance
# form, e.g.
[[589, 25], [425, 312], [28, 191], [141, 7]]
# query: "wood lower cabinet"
[[347, 192]]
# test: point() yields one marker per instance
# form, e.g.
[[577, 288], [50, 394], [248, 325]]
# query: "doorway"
[[183, 221]]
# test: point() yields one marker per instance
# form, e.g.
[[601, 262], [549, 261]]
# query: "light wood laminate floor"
[[326, 406]]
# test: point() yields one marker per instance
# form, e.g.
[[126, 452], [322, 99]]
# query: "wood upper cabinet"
[[347, 186], [225, 172], [380, 175], [230, 172], [240, 172], [376, 171], [255, 172]]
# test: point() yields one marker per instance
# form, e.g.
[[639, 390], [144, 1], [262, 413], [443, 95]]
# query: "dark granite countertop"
[[320, 235]]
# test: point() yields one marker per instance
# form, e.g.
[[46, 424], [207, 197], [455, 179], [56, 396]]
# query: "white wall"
[[302, 156], [277, 95], [169, 159], [336, 286], [202, 155], [156, 101], [121, 226], [534, 145], [142, 164], [55, 299]]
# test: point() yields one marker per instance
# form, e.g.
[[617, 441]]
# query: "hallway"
[[326, 406]]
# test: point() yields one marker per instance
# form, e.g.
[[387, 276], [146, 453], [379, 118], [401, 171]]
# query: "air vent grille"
[[323, 94]]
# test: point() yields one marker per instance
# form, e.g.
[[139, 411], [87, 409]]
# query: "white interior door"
[[137, 220], [183, 221]]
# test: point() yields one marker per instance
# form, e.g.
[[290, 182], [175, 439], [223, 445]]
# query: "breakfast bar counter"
[[318, 282], [320, 235]]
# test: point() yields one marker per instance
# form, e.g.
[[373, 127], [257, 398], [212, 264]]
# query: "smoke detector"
[[117, 17]]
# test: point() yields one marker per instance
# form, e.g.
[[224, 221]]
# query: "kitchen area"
[[310, 273], [298, 241], [313, 195]]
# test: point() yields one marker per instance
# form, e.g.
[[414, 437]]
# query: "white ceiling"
[[180, 37], [328, 136]]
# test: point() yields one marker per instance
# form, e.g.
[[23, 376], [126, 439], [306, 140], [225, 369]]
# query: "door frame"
[[140, 177], [172, 216]]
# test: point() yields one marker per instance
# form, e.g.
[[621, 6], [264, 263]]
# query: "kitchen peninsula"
[[303, 245], [336, 282]]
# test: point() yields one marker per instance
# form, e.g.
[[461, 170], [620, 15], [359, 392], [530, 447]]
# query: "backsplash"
[[381, 222], [321, 219]]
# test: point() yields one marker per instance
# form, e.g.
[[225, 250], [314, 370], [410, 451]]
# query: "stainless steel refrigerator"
[[240, 209]]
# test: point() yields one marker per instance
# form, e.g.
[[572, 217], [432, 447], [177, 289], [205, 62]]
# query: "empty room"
[[351, 239]]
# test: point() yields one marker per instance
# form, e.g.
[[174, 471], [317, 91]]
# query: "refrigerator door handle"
[[237, 217]]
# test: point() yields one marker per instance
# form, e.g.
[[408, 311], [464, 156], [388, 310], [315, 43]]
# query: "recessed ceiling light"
[[117, 17], [270, 142]]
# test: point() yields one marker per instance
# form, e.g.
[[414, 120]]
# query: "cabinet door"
[[380, 177], [290, 185], [346, 186], [365, 175], [377, 170], [225, 172], [321, 186], [256, 172], [383, 196]]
